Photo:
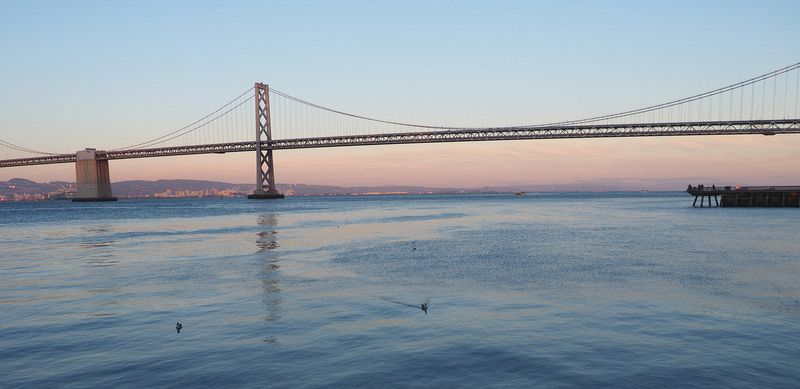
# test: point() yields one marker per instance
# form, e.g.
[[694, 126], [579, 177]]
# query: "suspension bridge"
[[763, 105]]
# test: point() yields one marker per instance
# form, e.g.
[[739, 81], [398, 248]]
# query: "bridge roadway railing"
[[43, 160], [763, 127]]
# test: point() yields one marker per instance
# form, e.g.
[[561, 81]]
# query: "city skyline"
[[111, 83]]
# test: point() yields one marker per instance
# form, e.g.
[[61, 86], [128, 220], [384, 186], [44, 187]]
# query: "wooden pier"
[[745, 196]]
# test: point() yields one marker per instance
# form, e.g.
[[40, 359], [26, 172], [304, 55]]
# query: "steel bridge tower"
[[265, 166]]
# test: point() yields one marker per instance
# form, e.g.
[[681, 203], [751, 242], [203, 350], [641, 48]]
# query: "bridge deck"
[[759, 127]]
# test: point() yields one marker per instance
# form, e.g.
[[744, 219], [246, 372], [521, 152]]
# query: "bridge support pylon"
[[265, 167], [92, 178]]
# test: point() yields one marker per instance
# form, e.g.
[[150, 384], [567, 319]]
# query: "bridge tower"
[[91, 177], [265, 167]]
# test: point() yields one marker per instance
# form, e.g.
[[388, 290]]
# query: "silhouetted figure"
[[424, 307], [178, 327]]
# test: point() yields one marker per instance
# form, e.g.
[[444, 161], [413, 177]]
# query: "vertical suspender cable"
[[700, 110], [741, 104], [796, 94], [721, 100], [774, 95], [785, 95], [730, 108], [711, 107]]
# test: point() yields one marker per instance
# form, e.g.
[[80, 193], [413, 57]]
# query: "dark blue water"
[[577, 290]]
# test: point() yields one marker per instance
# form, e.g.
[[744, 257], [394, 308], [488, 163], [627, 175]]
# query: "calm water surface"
[[577, 290]]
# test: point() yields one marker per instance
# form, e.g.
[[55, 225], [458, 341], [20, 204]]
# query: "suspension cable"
[[23, 149], [618, 115], [235, 103], [175, 134], [161, 138]]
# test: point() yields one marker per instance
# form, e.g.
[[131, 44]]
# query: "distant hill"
[[314, 190], [142, 189], [22, 189], [150, 188]]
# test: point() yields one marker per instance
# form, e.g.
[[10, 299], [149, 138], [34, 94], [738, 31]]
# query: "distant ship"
[[523, 193]]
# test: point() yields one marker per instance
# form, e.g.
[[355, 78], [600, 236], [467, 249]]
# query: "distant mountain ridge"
[[23, 189], [20, 188], [141, 188], [149, 188]]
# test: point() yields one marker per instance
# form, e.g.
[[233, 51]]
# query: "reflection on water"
[[533, 291], [270, 282], [98, 246], [271, 299], [266, 239]]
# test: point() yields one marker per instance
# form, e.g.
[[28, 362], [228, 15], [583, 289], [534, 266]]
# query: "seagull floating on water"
[[423, 306]]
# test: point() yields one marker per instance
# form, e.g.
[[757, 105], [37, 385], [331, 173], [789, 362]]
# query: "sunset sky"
[[109, 74]]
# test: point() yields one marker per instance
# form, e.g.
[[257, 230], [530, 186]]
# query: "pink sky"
[[113, 74], [751, 159]]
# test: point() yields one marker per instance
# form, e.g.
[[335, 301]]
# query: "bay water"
[[543, 290]]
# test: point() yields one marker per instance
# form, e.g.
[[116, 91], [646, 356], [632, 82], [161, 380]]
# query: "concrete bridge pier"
[[92, 177]]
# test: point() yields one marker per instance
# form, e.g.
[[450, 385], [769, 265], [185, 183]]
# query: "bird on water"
[[423, 306], [178, 327]]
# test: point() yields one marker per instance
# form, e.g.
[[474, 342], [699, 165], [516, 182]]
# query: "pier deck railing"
[[720, 190]]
